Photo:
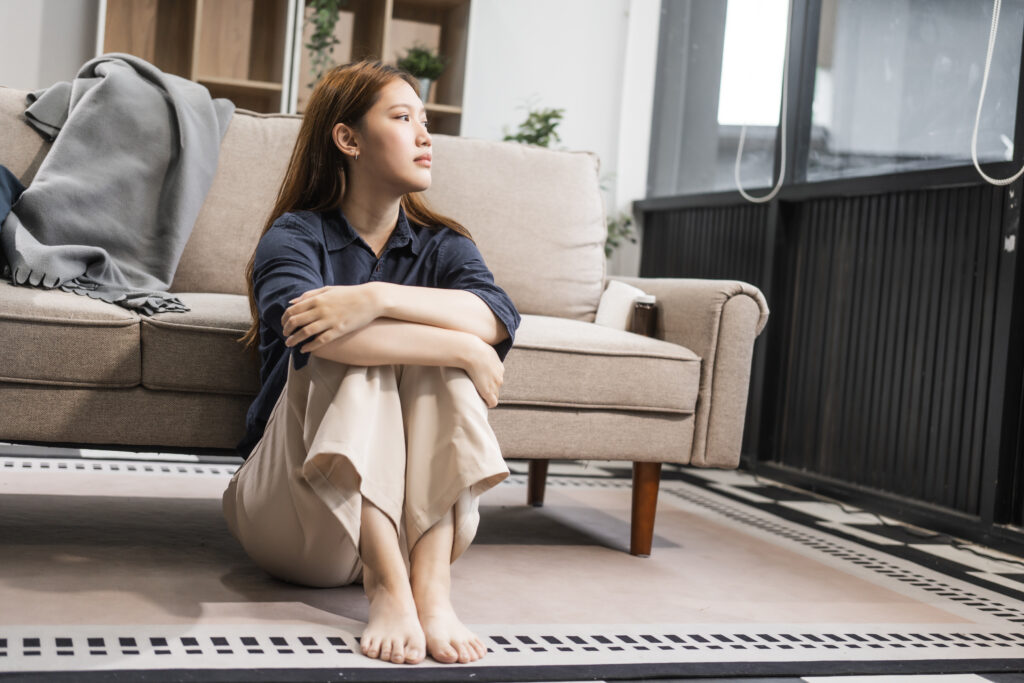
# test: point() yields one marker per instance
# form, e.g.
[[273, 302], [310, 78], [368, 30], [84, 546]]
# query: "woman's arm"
[[386, 341], [453, 309]]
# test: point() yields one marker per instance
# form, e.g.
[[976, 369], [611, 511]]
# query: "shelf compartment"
[[448, 21], [154, 30], [240, 40]]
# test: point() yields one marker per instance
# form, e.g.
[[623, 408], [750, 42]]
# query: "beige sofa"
[[80, 371]]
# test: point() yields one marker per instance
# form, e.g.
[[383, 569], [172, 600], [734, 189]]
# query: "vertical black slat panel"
[[788, 438], [943, 351], [837, 343], [798, 417], [897, 455], [660, 243], [874, 367], [721, 231], [935, 246], [688, 233], [651, 233], [820, 293], [953, 395], [900, 290], [920, 213], [830, 305], [884, 397], [903, 294], [994, 231], [973, 381], [944, 348], [947, 456], [677, 245], [935, 209], [834, 443], [827, 229], [867, 361], [788, 339], [661, 238], [720, 226], [703, 229], [832, 340], [854, 428]]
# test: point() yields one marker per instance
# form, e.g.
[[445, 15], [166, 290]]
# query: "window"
[[719, 68], [897, 85], [893, 87]]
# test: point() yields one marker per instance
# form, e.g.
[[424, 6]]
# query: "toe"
[[397, 653], [481, 649], [448, 654], [464, 655], [385, 650]]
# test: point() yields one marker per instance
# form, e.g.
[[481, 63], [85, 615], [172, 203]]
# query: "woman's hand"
[[483, 366], [328, 313]]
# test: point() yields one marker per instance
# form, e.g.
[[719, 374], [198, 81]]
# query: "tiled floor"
[[108, 562]]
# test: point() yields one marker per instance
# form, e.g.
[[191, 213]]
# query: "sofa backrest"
[[536, 214]]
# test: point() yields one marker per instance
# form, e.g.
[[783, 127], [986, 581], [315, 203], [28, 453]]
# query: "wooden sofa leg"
[[535, 482], [646, 480]]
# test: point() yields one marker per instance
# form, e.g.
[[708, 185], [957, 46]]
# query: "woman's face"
[[392, 137]]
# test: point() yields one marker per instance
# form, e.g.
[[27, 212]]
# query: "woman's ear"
[[345, 139]]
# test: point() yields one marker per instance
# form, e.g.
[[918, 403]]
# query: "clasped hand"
[[327, 313]]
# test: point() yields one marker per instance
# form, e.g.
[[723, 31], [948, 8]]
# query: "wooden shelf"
[[442, 108], [253, 51], [242, 84]]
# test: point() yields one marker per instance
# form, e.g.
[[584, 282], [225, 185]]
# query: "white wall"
[[45, 41], [596, 60]]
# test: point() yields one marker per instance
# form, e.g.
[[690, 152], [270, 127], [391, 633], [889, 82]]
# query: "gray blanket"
[[112, 205]]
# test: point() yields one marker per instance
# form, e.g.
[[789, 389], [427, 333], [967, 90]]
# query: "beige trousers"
[[413, 439]]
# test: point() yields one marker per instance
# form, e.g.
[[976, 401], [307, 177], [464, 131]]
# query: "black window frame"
[[802, 52]]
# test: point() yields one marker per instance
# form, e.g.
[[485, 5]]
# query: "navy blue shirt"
[[306, 250]]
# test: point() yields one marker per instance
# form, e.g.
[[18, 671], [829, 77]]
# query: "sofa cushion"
[[197, 350], [253, 157], [574, 364], [49, 336], [536, 215]]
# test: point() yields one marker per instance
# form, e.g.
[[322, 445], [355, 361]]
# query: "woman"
[[381, 336]]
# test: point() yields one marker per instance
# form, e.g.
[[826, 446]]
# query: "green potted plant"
[[323, 19], [423, 63], [538, 128]]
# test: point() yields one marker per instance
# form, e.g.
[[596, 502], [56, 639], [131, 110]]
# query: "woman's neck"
[[373, 218]]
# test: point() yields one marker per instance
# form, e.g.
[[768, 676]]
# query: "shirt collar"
[[340, 233]]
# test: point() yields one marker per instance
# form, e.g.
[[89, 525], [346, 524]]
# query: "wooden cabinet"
[[253, 51]]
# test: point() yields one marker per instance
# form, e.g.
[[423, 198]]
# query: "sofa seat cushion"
[[197, 350], [574, 364], [49, 336]]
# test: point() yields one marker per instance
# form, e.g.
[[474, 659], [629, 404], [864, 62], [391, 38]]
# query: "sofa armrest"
[[718, 320]]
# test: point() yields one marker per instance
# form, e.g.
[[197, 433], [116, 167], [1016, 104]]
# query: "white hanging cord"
[[981, 98], [782, 161]]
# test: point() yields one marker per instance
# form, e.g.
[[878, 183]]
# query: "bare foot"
[[393, 632], [448, 639]]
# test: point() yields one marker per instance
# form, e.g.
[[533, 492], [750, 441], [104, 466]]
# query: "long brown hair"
[[315, 178]]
